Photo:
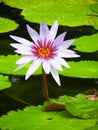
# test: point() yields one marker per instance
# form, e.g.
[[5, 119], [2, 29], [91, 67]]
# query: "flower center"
[[44, 52]]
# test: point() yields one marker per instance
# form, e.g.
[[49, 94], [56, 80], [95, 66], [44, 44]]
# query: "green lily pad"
[[35, 118], [82, 69], [4, 82], [94, 7], [7, 25], [82, 107], [69, 13], [95, 127], [21, 4], [8, 65], [87, 43]]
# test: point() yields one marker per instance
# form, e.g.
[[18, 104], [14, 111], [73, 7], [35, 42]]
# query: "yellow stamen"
[[44, 52]]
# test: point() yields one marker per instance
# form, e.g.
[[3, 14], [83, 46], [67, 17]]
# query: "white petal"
[[55, 63], [55, 75], [69, 51], [21, 40], [24, 52], [53, 31], [59, 39], [35, 65], [20, 46], [63, 62], [44, 32], [66, 44], [33, 34], [46, 66], [20, 66], [25, 59], [68, 54]]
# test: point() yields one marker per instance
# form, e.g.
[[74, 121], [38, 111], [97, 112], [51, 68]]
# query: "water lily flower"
[[45, 49]]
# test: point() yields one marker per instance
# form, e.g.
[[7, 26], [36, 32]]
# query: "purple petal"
[[66, 44], [44, 32], [55, 75], [53, 31], [59, 39], [35, 65], [21, 40], [33, 34]]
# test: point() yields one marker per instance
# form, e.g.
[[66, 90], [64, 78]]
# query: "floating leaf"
[[95, 127], [68, 12], [82, 69], [82, 107], [87, 43], [73, 13], [94, 7], [4, 82], [21, 4], [8, 65], [7, 25], [35, 118]]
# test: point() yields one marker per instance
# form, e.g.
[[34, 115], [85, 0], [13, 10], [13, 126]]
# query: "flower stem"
[[45, 84]]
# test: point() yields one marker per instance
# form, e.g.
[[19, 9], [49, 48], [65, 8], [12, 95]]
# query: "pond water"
[[24, 93]]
